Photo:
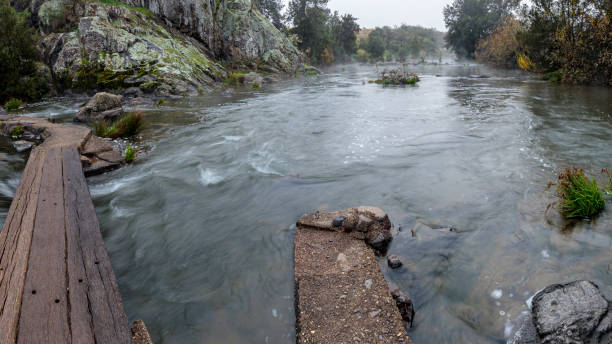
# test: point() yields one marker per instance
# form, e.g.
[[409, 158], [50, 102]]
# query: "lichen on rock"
[[115, 46]]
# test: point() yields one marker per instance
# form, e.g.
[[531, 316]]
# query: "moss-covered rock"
[[116, 46], [232, 30]]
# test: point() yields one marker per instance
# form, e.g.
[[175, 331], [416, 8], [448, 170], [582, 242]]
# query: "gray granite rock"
[[570, 313]]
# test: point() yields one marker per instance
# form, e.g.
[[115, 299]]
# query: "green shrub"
[[17, 131], [13, 104], [130, 154], [255, 86], [580, 197], [161, 101], [125, 127], [18, 55], [555, 76]]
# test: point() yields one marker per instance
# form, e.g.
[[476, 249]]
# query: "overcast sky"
[[371, 13]]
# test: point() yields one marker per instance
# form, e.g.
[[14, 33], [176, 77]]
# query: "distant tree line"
[[566, 40], [401, 43]]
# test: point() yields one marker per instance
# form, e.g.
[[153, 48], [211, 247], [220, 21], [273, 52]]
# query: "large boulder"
[[230, 29], [102, 106], [575, 312], [118, 46], [571, 313]]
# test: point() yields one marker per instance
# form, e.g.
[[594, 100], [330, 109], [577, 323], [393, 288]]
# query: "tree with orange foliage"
[[500, 48]]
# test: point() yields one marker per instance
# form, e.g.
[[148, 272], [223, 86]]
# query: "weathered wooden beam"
[[57, 284]]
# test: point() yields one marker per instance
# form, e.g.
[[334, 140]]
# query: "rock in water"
[[404, 304], [103, 106], [394, 262], [571, 313], [22, 146]]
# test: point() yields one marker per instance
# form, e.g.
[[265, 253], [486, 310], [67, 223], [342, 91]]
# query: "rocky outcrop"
[[575, 312], [102, 106], [117, 47], [229, 29], [163, 46], [97, 155]]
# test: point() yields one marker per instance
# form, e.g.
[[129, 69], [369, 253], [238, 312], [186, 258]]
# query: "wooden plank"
[[81, 322], [110, 324], [15, 240], [44, 309]]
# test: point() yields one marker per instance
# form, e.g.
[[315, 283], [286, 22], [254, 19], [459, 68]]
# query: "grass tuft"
[[125, 127], [580, 197], [17, 131], [130, 154], [255, 86], [13, 104]]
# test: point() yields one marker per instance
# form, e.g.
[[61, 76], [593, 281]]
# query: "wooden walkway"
[[57, 284]]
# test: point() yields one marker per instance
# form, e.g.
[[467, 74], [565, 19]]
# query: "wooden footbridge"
[[57, 284]]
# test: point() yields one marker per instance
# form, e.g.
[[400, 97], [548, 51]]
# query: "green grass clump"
[[17, 131], [256, 86], [555, 76], [13, 104], [161, 101], [130, 154], [125, 127], [580, 197]]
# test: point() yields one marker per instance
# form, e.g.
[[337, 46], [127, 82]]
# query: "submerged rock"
[[102, 106], [22, 145]]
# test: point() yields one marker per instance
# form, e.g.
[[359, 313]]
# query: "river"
[[199, 230]]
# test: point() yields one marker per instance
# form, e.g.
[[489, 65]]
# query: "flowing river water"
[[200, 229]]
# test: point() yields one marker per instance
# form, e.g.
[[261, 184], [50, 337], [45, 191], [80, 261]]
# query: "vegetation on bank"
[[130, 154], [19, 71], [400, 44], [324, 37], [125, 127], [13, 104], [580, 196], [565, 40], [17, 131]]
